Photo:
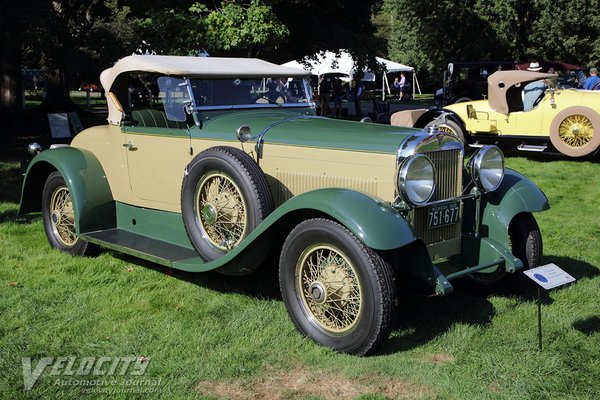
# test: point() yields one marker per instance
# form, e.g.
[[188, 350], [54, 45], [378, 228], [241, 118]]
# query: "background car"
[[563, 119], [229, 166]]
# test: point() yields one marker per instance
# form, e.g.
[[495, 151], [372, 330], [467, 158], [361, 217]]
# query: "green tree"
[[244, 28]]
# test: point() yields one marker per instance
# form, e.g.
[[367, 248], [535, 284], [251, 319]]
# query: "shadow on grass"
[[10, 184], [262, 284], [420, 319], [588, 326], [11, 216]]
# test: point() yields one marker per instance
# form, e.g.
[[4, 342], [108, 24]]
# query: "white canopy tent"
[[330, 63]]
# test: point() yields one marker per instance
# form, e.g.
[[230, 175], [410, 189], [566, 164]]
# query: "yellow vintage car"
[[567, 120]]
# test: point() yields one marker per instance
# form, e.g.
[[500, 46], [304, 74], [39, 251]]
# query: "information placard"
[[549, 276]]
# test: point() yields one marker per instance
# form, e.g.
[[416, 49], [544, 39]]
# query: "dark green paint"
[[322, 133], [516, 194], [90, 192], [373, 221], [161, 225]]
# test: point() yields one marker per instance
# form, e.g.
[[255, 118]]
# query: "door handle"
[[129, 145]]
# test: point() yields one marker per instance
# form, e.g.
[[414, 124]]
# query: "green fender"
[[373, 221], [516, 194], [377, 224], [90, 192]]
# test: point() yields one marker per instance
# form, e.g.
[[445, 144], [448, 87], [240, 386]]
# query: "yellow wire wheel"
[[329, 287], [62, 216], [575, 131], [224, 197], [337, 290], [221, 210], [59, 217]]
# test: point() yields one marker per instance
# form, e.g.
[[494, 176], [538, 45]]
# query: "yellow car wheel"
[[58, 215], [575, 131], [224, 197], [337, 291]]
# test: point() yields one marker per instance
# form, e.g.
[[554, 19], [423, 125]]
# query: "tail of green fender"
[[90, 192]]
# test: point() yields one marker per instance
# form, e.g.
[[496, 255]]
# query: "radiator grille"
[[443, 241]]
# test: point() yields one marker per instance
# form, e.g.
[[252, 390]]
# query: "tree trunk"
[[11, 86]]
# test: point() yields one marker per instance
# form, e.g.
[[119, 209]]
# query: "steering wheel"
[[596, 86]]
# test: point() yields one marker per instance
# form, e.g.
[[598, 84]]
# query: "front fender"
[[84, 176], [373, 221], [516, 194]]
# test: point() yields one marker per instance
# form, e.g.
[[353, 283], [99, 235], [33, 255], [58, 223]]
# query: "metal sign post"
[[547, 277]]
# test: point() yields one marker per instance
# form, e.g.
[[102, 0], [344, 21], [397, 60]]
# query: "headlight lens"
[[487, 168], [416, 182]]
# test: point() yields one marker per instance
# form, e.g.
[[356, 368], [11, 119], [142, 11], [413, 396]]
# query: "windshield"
[[247, 93]]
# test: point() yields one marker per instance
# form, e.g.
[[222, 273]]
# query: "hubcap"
[[221, 210], [329, 288], [62, 217], [576, 131]]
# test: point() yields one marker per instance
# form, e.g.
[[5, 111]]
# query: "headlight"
[[487, 168], [416, 182]]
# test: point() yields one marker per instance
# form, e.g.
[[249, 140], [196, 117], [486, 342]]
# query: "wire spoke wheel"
[[329, 287], [576, 131], [221, 210], [62, 216]]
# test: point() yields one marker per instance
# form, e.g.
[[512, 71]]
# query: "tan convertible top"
[[199, 67], [210, 67], [500, 82]]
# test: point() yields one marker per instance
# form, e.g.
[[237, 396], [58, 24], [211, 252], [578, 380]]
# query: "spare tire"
[[224, 197], [575, 131]]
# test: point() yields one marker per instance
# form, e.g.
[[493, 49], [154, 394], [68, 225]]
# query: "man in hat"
[[591, 82], [533, 90]]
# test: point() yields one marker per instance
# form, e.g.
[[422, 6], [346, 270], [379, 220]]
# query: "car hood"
[[293, 128]]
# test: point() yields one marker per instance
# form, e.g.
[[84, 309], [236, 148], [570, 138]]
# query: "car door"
[[156, 158]]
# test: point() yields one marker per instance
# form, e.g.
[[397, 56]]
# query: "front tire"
[[337, 291], [58, 216]]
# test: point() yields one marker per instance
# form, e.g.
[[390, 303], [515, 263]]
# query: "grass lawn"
[[208, 336]]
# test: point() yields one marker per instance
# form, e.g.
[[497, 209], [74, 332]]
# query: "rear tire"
[[575, 131], [59, 217], [337, 291]]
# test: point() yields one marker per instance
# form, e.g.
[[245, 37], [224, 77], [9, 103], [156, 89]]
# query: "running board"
[[140, 246], [530, 147]]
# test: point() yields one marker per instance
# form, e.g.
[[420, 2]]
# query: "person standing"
[[324, 95], [338, 93], [591, 83], [402, 85]]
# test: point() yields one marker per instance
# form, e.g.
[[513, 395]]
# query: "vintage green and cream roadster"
[[215, 164]]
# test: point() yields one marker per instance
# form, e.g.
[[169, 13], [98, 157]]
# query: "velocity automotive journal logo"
[[101, 373]]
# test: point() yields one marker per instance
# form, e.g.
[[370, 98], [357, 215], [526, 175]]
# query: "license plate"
[[443, 214]]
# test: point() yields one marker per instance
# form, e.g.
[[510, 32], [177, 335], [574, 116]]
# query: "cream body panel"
[[292, 170], [156, 166]]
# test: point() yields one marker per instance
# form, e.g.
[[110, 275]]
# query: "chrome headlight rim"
[[478, 168], [402, 180]]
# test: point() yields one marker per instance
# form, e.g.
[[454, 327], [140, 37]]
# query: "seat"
[[150, 118]]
